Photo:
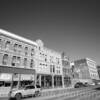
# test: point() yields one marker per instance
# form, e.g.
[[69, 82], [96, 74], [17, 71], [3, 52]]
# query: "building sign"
[[27, 77], [5, 77]]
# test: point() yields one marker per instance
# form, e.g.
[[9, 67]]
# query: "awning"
[[6, 69]]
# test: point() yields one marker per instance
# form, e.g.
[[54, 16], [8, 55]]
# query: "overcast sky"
[[72, 26]]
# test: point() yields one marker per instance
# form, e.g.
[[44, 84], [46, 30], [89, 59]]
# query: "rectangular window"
[[51, 68], [13, 61], [26, 51], [20, 48], [32, 52], [25, 62], [18, 61], [7, 45], [32, 63], [15, 47]]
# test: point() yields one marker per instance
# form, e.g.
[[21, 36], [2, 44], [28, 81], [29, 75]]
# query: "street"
[[84, 94]]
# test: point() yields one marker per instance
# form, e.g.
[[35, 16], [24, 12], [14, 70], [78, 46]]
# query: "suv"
[[79, 84], [29, 90]]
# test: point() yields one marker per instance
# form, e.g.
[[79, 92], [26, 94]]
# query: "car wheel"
[[18, 96]]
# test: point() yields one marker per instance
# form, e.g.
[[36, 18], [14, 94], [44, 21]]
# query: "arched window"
[[7, 45], [5, 59]]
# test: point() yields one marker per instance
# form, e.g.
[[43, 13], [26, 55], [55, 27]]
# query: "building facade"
[[86, 70], [49, 69], [67, 71], [98, 69], [17, 52]]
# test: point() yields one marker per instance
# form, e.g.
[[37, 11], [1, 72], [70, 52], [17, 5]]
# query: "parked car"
[[29, 90], [79, 85]]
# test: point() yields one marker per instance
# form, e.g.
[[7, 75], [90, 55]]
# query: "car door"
[[32, 90], [27, 91]]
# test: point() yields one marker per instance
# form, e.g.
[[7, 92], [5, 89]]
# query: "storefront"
[[67, 81], [57, 81], [44, 80]]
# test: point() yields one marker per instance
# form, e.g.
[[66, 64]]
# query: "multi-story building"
[[17, 52], [49, 69], [67, 71], [86, 70], [98, 69]]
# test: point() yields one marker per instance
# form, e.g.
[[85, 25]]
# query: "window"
[[32, 52], [0, 43], [7, 45], [45, 59], [13, 61], [20, 48], [25, 62], [53, 68], [26, 51], [5, 59], [32, 63], [18, 61], [15, 47]]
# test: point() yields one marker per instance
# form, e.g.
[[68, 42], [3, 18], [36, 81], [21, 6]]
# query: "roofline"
[[9, 34], [90, 60]]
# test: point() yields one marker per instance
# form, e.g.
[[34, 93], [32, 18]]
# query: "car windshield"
[[30, 87]]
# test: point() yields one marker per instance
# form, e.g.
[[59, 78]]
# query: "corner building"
[[17, 52]]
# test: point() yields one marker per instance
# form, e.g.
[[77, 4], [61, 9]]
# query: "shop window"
[[32, 63], [26, 51], [32, 52], [25, 62], [15, 47], [5, 59], [13, 61], [7, 45]]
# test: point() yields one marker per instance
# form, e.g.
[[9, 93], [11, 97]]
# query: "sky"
[[72, 26]]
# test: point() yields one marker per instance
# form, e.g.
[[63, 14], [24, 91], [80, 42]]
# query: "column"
[[40, 80], [19, 79], [63, 81], [35, 79], [52, 81]]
